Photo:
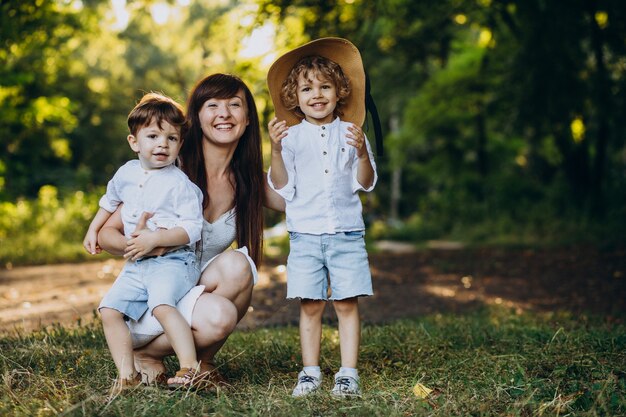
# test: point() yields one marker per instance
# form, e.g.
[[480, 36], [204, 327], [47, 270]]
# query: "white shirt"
[[322, 190], [167, 192]]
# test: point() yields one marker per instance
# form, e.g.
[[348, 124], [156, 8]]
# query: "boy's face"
[[317, 98], [156, 148]]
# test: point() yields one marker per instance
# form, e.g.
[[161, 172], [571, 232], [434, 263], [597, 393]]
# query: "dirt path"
[[581, 280]]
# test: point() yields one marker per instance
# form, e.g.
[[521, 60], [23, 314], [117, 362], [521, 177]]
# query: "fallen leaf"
[[421, 391]]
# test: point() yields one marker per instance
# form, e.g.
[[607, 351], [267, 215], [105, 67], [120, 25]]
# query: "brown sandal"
[[126, 384], [208, 380], [159, 381], [190, 379]]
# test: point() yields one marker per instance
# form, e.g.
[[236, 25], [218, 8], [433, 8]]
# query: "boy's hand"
[[357, 140], [277, 130], [91, 242], [140, 244]]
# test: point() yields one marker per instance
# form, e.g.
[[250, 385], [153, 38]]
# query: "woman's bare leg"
[[228, 282], [229, 276]]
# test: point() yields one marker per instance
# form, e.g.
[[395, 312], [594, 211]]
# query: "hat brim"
[[339, 50]]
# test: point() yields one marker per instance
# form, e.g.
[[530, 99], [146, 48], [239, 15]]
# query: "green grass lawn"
[[490, 362]]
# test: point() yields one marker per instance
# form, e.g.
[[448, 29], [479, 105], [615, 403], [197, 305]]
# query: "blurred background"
[[503, 120]]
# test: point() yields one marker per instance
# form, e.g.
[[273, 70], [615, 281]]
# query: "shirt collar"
[[332, 125]]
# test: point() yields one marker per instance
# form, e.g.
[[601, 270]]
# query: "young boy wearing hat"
[[320, 160]]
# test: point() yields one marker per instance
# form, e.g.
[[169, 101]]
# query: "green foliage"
[[499, 116], [49, 229], [493, 361]]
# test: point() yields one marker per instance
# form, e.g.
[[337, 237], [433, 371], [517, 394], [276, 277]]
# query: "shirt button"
[[322, 135], [324, 153], [323, 127], [326, 171], [140, 185], [343, 149]]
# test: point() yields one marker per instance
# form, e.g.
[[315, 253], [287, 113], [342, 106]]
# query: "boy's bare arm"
[[364, 171], [111, 236], [90, 242], [271, 199], [277, 131], [144, 241]]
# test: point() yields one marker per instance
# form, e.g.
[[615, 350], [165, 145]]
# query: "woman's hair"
[[246, 165], [315, 65], [155, 106]]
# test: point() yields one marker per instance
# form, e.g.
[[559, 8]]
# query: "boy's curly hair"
[[322, 66], [155, 106]]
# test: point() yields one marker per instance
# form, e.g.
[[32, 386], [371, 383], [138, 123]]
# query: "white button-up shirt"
[[167, 192], [322, 191]]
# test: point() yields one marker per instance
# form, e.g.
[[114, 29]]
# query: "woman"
[[221, 154]]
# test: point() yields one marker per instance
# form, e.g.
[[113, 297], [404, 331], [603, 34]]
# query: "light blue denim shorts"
[[153, 281], [337, 260]]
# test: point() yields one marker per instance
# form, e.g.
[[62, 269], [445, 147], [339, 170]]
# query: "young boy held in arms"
[[152, 284]]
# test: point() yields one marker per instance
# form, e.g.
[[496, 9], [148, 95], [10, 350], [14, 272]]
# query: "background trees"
[[501, 117]]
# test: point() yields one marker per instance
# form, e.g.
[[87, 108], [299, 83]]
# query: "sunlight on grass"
[[490, 362]]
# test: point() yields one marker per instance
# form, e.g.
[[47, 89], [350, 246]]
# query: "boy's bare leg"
[[178, 334], [228, 281], [311, 330], [213, 320], [119, 341], [349, 330]]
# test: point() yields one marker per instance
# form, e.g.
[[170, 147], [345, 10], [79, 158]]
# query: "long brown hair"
[[246, 165]]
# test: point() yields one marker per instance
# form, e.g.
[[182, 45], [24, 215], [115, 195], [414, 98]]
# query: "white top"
[[216, 237], [322, 191], [167, 192]]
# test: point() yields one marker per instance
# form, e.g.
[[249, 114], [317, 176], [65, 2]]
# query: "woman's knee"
[[215, 319], [240, 267], [235, 267]]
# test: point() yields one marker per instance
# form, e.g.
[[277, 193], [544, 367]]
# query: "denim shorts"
[[149, 282], [317, 261]]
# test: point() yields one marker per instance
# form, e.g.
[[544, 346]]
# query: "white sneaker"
[[306, 384], [346, 386]]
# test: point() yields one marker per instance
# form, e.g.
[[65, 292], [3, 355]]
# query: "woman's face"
[[224, 120]]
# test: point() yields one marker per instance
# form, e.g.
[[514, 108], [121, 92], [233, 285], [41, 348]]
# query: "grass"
[[490, 362]]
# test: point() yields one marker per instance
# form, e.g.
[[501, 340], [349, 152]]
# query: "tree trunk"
[[602, 100], [396, 176]]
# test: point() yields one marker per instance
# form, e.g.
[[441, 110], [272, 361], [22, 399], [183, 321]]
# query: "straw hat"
[[339, 50]]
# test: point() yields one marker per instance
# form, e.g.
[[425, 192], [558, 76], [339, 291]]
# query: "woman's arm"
[[272, 200], [111, 236]]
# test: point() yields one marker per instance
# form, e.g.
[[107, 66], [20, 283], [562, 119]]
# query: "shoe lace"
[[343, 383], [306, 378]]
